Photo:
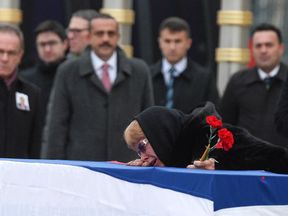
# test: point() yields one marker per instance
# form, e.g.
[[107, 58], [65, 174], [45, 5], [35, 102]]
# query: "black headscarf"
[[162, 127], [176, 138]]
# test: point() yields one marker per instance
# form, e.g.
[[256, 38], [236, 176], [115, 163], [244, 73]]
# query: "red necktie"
[[105, 77]]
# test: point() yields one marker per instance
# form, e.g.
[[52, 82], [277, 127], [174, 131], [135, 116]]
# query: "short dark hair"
[[10, 28], [175, 24], [51, 26], [268, 27], [87, 14], [105, 16]]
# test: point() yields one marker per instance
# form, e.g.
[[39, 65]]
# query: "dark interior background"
[[200, 14]]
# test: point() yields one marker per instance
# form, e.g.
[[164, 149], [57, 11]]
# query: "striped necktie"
[[170, 90]]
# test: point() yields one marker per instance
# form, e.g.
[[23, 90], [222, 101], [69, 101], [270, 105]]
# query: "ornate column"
[[122, 12], [10, 12], [234, 19]]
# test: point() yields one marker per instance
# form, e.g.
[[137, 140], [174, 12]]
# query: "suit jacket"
[[281, 115], [85, 122], [19, 129], [194, 86], [247, 103]]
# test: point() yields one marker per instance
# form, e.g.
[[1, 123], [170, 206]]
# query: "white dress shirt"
[[179, 67], [262, 74], [98, 63]]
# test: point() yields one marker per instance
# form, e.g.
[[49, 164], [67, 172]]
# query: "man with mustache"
[[94, 98]]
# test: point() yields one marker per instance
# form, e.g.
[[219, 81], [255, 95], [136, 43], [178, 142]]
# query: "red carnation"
[[213, 121], [226, 139]]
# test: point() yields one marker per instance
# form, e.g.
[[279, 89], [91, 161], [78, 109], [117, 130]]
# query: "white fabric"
[[35, 189], [254, 211], [43, 189]]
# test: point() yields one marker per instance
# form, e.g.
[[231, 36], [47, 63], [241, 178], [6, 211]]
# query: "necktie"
[[268, 82], [170, 90], [105, 77]]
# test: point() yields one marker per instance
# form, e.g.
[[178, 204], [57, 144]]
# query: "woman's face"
[[147, 153], [137, 141]]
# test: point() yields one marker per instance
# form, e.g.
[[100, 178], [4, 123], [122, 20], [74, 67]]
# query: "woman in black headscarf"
[[168, 137]]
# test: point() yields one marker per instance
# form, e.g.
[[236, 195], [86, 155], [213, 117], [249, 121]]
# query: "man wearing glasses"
[[19, 100], [51, 43], [78, 31]]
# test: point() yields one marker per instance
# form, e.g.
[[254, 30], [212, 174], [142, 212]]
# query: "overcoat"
[[84, 121], [247, 103], [19, 128]]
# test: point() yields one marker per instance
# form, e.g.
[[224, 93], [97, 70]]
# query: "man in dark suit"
[[251, 96], [94, 98], [19, 100], [51, 43], [178, 81]]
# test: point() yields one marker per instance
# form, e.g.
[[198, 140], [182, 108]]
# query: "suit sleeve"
[[212, 91], [35, 144], [148, 96], [57, 120], [252, 153], [228, 104], [281, 115]]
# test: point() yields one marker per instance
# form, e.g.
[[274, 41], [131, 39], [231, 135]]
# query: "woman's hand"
[[150, 161], [206, 164], [136, 162]]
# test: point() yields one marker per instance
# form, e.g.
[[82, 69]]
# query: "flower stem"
[[205, 153]]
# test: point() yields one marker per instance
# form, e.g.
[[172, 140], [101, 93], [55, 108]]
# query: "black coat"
[[193, 87], [42, 75], [247, 103], [247, 153], [178, 139], [252, 153], [281, 115], [19, 130]]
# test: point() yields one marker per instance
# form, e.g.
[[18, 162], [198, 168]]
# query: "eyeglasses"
[[51, 43], [9, 53], [75, 31], [141, 148]]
